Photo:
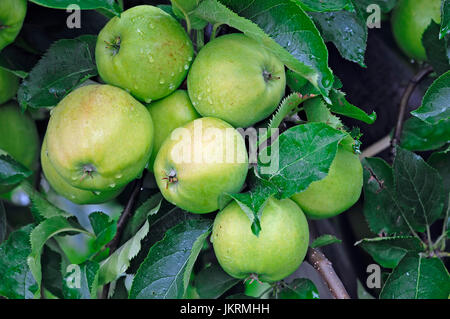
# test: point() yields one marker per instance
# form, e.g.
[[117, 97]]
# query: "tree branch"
[[321, 263], [121, 223], [404, 103]]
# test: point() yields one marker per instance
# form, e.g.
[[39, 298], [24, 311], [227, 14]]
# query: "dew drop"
[[171, 86], [186, 66], [162, 81], [190, 59], [118, 176], [96, 193], [112, 185]]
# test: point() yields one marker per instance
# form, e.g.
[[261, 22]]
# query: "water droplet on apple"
[[190, 59], [162, 81], [172, 74], [171, 86], [118, 176], [186, 66], [112, 185], [96, 193]]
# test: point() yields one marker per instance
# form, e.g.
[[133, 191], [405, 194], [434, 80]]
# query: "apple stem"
[[268, 76], [114, 45], [170, 178]]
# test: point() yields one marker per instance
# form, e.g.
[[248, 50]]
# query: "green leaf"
[[441, 162], [385, 5], [417, 277], [419, 135], [388, 251], [40, 207], [166, 271], [104, 228], [52, 279], [66, 65], [41, 234], [212, 282], [116, 264], [283, 28], [436, 49], [381, 209], [299, 288], [419, 189], [325, 240], [436, 102], [340, 105], [301, 155], [324, 6], [149, 208], [346, 30], [82, 281], [253, 201], [109, 5], [16, 280], [11, 171]]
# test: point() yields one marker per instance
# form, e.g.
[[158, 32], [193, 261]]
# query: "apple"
[[274, 254], [168, 114], [18, 137], [409, 20], [236, 79], [9, 83], [75, 195], [99, 138], [338, 191], [145, 51], [199, 162], [12, 14]]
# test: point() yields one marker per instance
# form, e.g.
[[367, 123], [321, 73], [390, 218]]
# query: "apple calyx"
[[268, 76], [252, 278], [114, 45], [88, 171], [171, 178]]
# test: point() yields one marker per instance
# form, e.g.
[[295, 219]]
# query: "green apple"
[[236, 79], [145, 51], [338, 191], [199, 162], [12, 14], [9, 83], [18, 137], [75, 195], [168, 114], [409, 20], [274, 254], [99, 138]]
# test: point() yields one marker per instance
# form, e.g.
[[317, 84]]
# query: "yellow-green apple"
[[12, 14], [9, 84]]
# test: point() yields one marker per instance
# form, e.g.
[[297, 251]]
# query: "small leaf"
[[436, 49], [346, 30], [299, 288], [436, 102], [11, 171], [388, 251], [16, 280], [104, 228], [66, 65], [340, 105], [325, 240], [445, 17], [417, 277], [119, 261], [41, 234], [419, 189], [212, 282], [301, 155], [166, 271], [82, 282]]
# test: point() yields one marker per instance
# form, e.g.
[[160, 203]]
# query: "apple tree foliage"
[[160, 244]]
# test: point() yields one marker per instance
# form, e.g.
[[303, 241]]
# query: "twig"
[[403, 105], [320, 262], [121, 223], [376, 147]]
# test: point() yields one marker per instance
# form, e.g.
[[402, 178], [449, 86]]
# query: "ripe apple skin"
[[9, 83], [274, 254], [227, 80], [198, 182], [12, 14], [18, 137], [75, 195], [99, 138], [409, 20], [338, 191], [153, 56], [168, 114]]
